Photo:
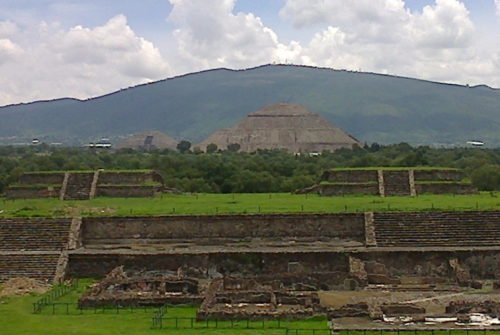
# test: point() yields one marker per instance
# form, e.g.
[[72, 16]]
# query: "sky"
[[84, 48]]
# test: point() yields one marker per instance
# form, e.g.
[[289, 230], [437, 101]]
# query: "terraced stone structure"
[[80, 185], [247, 266], [283, 126], [393, 182]]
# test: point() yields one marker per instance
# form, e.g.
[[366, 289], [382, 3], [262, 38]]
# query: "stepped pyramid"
[[289, 127], [148, 140]]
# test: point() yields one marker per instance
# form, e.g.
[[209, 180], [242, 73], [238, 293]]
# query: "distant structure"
[[148, 140], [392, 181], [103, 143], [476, 143], [285, 126]]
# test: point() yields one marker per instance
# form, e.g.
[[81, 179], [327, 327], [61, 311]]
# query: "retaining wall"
[[348, 226], [345, 189], [127, 191], [123, 177], [32, 192], [42, 178], [445, 188]]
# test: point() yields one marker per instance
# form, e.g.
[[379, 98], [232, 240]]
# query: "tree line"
[[262, 171]]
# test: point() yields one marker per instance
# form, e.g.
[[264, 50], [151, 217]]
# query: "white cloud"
[[497, 4], [8, 51], [209, 35], [7, 29], [78, 62], [437, 43]]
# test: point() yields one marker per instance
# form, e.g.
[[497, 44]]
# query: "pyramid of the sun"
[[148, 140], [283, 126]]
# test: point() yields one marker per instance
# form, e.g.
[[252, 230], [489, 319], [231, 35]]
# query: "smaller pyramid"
[[283, 126], [148, 140]]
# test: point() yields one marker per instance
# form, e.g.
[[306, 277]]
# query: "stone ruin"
[[391, 182], [394, 266], [86, 185], [137, 288]]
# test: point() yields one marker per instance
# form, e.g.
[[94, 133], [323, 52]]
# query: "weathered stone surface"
[[283, 126], [349, 310], [401, 309]]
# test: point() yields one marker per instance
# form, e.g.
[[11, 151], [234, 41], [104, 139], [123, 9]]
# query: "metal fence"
[[68, 308], [54, 294]]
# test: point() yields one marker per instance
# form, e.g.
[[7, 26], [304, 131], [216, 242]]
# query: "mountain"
[[371, 107]]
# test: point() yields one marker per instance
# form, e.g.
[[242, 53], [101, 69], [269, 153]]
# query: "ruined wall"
[[42, 178], [431, 267], [452, 188], [124, 177], [273, 226], [127, 191], [345, 189], [350, 176], [307, 271], [438, 175], [32, 192], [333, 265]]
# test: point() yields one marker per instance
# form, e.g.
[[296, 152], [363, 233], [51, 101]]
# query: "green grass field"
[[244, 203]]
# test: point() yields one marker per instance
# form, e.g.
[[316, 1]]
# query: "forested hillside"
[[372, 107]]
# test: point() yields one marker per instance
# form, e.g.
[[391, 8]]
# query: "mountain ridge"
[[194, 105]]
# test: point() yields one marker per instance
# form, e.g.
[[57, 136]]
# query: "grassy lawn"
[[244, 203]]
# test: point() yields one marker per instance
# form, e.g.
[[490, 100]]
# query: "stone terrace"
[[446, 229], [34, 234], [40, 266], [31, 247]]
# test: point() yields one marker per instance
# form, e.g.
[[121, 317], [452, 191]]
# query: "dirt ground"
[[23, 286]]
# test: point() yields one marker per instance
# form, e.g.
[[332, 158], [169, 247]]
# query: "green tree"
[[487, 178], [233, 147], [211, 148], [183, 146]]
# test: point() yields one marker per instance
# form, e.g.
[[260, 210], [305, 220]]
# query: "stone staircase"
[[36, 266], [396, 183], [34, 234], [31, 247], [79, 186], [445, 229]]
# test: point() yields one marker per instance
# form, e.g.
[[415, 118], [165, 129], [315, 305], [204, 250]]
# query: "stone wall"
[[445, 188], [438, 175], [127, 191], [131, 177], [55, 178], [349, 226], [393, 182], [345, 189], [350, 176], [228, 264], [431, 267], [32, 192]]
